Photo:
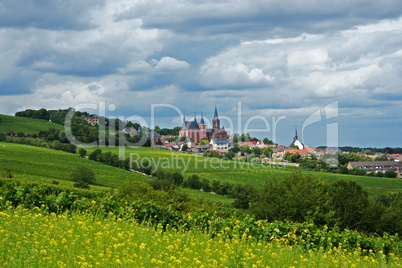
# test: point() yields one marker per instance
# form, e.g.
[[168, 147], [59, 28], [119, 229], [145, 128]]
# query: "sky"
[[330, 69]]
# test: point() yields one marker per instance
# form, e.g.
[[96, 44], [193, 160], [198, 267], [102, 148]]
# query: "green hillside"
[[238, 172], [26, 125], [41, 165]]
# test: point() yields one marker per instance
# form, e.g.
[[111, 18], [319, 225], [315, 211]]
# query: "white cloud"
[[308, 60], [168, 64], [218, 74]]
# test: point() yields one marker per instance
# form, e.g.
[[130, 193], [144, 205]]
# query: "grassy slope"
[[40, 165], [26, 125], [255, 174]]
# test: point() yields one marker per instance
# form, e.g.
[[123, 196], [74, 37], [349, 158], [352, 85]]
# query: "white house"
[[221, 144]]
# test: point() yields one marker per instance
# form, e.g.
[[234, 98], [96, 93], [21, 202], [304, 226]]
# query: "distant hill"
[[26, 125]]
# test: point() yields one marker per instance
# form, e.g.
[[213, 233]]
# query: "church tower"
[[216, 123], [296, 141], [203, 127]]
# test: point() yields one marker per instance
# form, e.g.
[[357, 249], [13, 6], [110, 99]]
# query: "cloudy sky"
[[334, 69]]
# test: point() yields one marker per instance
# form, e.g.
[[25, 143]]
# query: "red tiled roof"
[[168, 144]]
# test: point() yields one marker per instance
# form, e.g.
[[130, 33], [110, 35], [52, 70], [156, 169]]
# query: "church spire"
[[184, 127], [296, 134], [216, 114], [202, 118]]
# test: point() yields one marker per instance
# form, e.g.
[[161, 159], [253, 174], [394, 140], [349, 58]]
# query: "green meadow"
[[26, 125], [40, 165], [255, 174]]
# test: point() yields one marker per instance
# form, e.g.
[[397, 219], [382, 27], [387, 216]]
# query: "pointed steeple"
[[296, 134], [202, 118], [195, 117], [184, 127], [216, 114]]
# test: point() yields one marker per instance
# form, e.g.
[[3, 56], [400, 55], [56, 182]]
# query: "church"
[[296, 142], [197, 132]]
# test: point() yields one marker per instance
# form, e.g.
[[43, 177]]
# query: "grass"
[[43, 165], [26, 125], [40, 165], [236, 172], [32, 239]]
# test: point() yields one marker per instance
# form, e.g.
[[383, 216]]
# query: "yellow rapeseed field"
[[31, 238]]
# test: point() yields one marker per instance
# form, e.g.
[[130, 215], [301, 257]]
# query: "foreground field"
[[26, 125], [238, 172], [32, 239]]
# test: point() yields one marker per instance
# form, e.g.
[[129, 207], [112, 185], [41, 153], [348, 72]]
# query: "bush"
[[162, 185], [297, 197], [177, 178], [390, 174], [82, 185], [350, 202], [194, 182], [83, 175], [8, 174], [205, 185], [81, 151], [243, 195]]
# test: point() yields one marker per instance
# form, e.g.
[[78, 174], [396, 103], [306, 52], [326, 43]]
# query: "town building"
[[130, 131], [377, 166], [92, 119], [197, 132], [221, 144]]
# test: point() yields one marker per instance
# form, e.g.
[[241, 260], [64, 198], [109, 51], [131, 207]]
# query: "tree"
[[205, 185], [184, 148], [194, 182], [388, 150], [256, 151], [267, 152], [267, 141], [177, 178], [81, 151], [246, 149], [242, 138], [297, 197], [349, 201], [368, 152], [293, 146], [83, 176], [204, 141], [381, 158], [235, 139], [243, 195]]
